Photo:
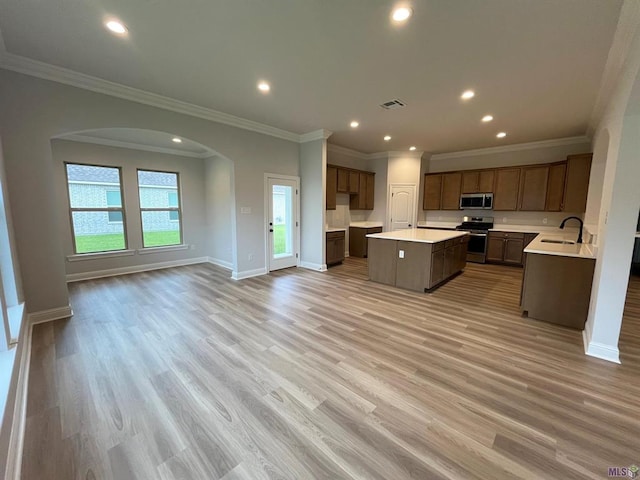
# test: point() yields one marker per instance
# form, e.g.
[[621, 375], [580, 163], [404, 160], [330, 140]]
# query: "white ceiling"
[[535, 65]]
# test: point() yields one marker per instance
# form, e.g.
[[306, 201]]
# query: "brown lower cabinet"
[[415, 266], [507, 247], [358, 244], [557, 289], [335, 247]]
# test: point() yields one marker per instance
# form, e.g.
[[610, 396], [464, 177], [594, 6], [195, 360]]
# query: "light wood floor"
[[184, 374]]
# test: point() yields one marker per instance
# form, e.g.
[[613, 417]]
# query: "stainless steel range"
[[478, 228]]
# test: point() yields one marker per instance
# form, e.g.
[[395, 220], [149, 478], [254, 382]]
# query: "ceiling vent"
[[393, 104]]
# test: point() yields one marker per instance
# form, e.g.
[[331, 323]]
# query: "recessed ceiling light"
[[116, 27], [487, 118], [176, 140], [387, 138], [501, 135], [401, 14], [467, 94], [264, 87], [412, 148], [354, 124]]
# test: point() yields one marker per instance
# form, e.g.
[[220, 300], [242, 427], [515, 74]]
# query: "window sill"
[[168, 248], [95, 256]]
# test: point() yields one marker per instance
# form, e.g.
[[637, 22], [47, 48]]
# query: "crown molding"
[[557, 142], [401, 154], [346, 151], [315, 135], [35, 68], [132, 146], [628, 26]]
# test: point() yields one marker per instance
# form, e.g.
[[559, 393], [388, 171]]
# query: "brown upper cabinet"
[[343, 180], [358, 184], [505, 192], [451, 185], [354, 181], [555, 187], [432, 191], [479, 181], [533, 188], [332, 185], [576, 184]]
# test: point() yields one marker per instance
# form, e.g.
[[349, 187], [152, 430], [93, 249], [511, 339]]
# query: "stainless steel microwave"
[[476, 201]]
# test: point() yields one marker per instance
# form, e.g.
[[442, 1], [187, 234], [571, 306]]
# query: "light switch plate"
[[401, 253], [245, 210]]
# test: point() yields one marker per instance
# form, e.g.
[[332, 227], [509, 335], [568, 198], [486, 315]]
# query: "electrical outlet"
[[544, 220], [504, 219], [251, 257], [401, 253], [192, 247]]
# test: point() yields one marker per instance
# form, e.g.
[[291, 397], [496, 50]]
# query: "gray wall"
[[220, 210], [191, 171], [313, 167], [32, 111]]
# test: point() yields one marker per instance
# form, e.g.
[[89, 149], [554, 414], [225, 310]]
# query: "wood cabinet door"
[[332, 187], [495, 248], [577, 183], [505, 195], [362, 195], [451, 184], [555, 187], [486, 180], [354, 182], [432, 192], [449, 261], [437, 267], [370, 194], [343, 180], [513, 250], [470, 182], [533, 188]]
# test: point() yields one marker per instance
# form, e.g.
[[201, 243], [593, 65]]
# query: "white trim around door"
[[408, 192]]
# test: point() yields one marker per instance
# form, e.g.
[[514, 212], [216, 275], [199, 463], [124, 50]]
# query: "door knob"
[[271, 230]]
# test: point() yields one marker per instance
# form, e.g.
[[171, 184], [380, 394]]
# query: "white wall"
[[191, 172], [617, 143], [313, 174], [220, 208], [32, 111]]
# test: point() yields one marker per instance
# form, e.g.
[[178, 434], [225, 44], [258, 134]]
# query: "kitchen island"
[[556, 284], [416, 259]]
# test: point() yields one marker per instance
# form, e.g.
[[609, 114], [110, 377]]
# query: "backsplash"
[[549, 219], [342, 216]]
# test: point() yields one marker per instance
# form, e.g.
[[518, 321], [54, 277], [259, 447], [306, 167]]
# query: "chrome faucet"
[[581, 224]]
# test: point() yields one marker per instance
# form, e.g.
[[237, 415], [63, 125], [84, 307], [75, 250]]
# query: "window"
[[114, 200], [160, 208], [97, 214]]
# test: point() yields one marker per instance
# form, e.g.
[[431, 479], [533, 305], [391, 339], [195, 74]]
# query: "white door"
[[282, 222], [402, 207]]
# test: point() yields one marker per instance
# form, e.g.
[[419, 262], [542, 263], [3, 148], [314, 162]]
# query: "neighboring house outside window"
[[113, 200]]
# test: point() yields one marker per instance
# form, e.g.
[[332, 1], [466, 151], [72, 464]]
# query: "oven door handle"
[[477, 234]]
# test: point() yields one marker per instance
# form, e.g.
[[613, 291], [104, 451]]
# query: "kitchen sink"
[[561, 242]]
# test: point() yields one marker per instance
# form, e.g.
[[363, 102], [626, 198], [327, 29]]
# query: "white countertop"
[[419, 235], [534, 229], [335, 229], [578, 250], [366, 224], [637, 234]]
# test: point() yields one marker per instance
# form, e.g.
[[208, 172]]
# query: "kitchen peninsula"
[[416, 259]]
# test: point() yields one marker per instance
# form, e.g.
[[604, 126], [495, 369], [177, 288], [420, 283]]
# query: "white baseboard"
[[221, 263], [248, 273], [318, 267], [346, 254], [49, 315], [16, 440], [599, 350], [112, 272]]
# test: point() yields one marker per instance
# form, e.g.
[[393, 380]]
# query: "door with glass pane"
[[282, 222]]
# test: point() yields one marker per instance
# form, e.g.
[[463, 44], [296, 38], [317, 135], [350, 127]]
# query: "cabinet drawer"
[[438, 246], [334, 235], [450, 243], [507, 235]]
